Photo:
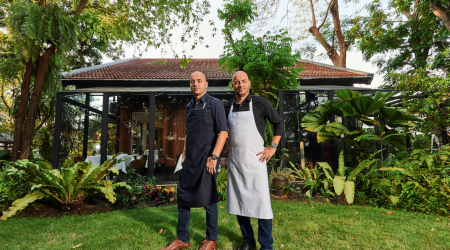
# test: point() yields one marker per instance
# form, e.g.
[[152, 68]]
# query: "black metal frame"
[[151, 135], [57, 132]]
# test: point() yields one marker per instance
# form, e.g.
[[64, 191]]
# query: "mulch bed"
[[46, 210]]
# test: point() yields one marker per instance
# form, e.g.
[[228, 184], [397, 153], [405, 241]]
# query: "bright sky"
[[216, 44]]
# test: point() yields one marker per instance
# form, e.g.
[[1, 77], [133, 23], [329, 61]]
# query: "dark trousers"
[[184, 217], [264, 232]]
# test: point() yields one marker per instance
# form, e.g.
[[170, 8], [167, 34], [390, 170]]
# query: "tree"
[[427, 96], [403, 37], [441, 8], [41, 33], [268, 61], [326, 33]]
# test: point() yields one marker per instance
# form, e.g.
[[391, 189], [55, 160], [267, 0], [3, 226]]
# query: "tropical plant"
[[39, 35], [340, 182], [315, 180], [357, 111], [69, 186], [416, 182], [13, 186], [427, 95], [222, 184]]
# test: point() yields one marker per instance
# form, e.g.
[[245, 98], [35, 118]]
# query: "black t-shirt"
[[262, 110]]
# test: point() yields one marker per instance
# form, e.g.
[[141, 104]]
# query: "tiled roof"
[[143, 69]]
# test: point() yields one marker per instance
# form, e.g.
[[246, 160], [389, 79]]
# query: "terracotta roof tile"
[[143, 69]]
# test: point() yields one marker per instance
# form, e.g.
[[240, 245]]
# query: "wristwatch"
[[214, 157], [274, 145]]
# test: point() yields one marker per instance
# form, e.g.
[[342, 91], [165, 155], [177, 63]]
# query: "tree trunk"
[[34, 102], [338, 60], [441, 13], [22, 109]]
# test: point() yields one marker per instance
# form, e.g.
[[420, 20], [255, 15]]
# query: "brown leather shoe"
[[177, 244], [209, 245]]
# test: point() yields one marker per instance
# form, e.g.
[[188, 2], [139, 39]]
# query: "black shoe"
[[246, 246]]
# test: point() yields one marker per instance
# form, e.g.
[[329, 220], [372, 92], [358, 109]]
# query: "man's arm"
[[278, 127], [220, 124], [211, 164]]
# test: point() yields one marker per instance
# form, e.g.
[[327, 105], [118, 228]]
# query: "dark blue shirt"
[[214, 112]]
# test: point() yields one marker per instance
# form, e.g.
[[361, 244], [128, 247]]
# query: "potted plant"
[[281, 177]]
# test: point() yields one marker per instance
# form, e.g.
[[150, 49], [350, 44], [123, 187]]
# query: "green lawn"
[[296, 226]]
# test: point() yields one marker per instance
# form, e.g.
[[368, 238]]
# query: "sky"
[[216, 44]]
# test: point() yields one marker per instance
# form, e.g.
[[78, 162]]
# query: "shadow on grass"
[[166, 218]]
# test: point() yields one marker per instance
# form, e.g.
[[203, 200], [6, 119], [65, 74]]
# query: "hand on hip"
[[266, 154]]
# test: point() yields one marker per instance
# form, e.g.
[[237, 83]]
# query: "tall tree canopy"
[[40, 34], [403, 36], [319, 18]]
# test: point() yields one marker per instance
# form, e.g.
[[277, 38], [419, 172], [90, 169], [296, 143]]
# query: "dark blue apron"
[[197, 188]]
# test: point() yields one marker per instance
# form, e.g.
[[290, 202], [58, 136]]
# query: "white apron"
[[248, 184]]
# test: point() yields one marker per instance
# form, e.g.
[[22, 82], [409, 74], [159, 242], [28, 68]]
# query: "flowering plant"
[[159, 194]]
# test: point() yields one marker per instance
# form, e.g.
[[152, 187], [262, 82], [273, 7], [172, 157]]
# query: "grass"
[[296, 226]]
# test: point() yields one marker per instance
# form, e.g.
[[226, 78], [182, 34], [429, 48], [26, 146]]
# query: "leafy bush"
[[13, 186], [222, 184], [418, 182], [136, 183], [69, 186]]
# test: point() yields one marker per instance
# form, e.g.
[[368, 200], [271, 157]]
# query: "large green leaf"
[[338, 183], [45, 165], [315, 121], [398, 141], [341, 169], [365, 105], [349, 191], [327, 170], [22, 203], [346, 94], [383, 96], [395, 118], [330, 108], [337, 128], [325, 136], [357, 170], [107, 190]]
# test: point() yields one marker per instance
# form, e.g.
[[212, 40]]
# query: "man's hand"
[[266, 154], [183, 156], [211, 166]]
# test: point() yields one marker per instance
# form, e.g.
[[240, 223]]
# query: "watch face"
[[274, 145]]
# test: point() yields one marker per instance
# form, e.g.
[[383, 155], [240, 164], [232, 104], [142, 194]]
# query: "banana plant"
[[69, 186], [341, 183], [362, 109]]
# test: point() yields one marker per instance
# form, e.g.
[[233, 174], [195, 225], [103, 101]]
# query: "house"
[[139, 104]]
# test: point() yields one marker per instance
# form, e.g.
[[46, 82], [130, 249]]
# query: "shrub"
[[69, 186], [13, 186]]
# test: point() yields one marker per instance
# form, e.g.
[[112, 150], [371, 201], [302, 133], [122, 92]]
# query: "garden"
[[388, 185]]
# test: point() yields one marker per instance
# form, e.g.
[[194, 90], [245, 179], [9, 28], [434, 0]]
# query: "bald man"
[[248, 186], [206, 132]]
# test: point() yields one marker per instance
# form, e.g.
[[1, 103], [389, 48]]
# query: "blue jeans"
[[264, 232], [184, 217]]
